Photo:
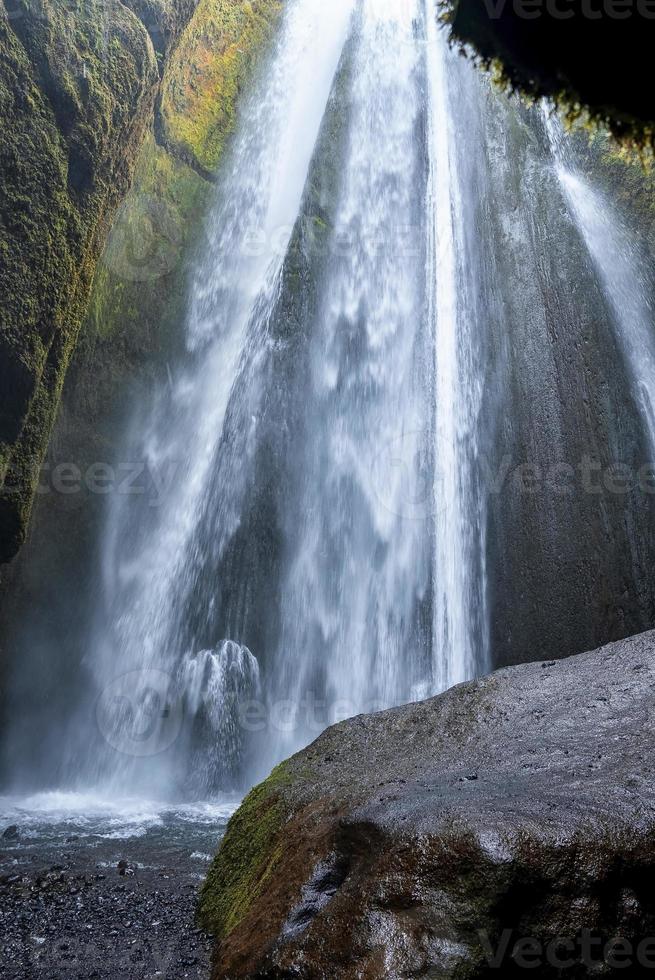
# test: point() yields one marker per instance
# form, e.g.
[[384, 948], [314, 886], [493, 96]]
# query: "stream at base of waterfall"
[[104, 889]]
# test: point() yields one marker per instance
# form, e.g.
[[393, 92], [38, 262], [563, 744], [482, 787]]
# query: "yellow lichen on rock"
[[213, 61]]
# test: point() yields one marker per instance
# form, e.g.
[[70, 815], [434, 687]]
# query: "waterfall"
[[383, 585], [456, 388], [358, 569], [318, 547], [378, 331], [380, 595], [202, 431], [621, 269]]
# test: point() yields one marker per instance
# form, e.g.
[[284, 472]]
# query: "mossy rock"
[[77, 88], [249, 854], [403, 843], [140, 284], [216, 57]]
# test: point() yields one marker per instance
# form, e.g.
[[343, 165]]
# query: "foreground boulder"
[[507, 824]]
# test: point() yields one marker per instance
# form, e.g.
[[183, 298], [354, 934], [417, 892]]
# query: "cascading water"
[[358, 569], [202, 433], [373, 294], [621, 269], [378, 601], [383, 595], [459, 649]]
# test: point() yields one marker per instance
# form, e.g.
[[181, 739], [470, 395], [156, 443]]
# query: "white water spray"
[[367, 519], [620, 266], [151, 569]]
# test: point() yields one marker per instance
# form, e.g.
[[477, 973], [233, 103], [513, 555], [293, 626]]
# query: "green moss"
[[247, 858], [75, 83], [215, 58], [140, 285], [38, 231]]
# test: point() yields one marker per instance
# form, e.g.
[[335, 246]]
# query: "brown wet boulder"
[[511, 817]]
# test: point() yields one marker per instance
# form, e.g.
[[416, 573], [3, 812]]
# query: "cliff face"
[[77, 90], [90, 95]]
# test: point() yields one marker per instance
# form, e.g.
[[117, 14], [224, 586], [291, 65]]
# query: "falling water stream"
[[621, 269], [458, 649], [376, 602]]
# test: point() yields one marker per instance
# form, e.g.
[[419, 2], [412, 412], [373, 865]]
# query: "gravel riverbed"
[[104, 897]]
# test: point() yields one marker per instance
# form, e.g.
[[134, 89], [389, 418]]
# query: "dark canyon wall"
[[571, 522]]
